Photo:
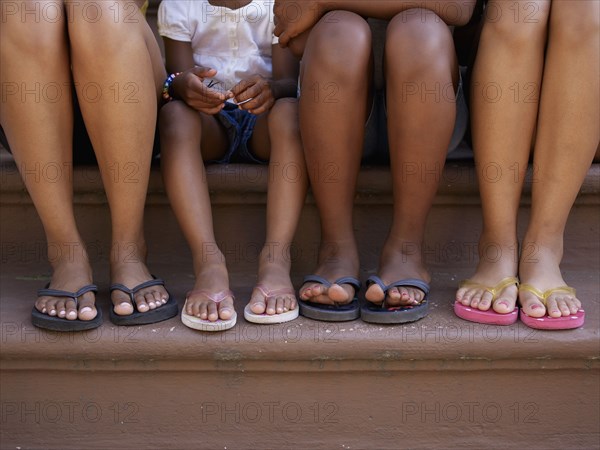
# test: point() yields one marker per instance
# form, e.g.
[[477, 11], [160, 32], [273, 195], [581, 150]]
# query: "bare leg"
[[502, 136], [184, 131], [333, 110], [111, 57], [285, 197], [419, 53], [566, 141], [34, 57]]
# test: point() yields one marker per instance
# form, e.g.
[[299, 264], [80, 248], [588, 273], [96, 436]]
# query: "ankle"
[[125, 252], [275, 254], [62, 254]]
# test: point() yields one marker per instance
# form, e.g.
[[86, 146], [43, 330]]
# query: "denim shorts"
[[239, 126]]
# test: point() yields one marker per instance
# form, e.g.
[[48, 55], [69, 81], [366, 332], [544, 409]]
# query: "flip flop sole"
[[164, 312], [54, 323], [489, 317], [330, 313], [373, 314], [206, 325], [270, 319], [555, 323]]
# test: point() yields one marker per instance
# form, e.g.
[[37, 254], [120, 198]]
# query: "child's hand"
[[188, 86], [254, 94], [293, 18]]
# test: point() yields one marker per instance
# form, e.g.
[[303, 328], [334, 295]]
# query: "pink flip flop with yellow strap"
[[197, 323], [265, 318], [490, 316], [551, 323]]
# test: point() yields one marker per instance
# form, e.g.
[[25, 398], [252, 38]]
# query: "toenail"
[[85, 309], [535, 306], [503, 303]]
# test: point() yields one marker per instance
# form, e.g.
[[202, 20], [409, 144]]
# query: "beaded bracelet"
[[167, 87]]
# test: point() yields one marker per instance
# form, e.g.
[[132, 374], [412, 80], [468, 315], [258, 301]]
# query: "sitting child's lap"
[[239, 126]]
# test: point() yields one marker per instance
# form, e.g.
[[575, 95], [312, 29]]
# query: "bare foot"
[[336, 260], [211, 281], [128, 268], [398, 264], [70, 274], [540, 269], [496, 263], [274, 279]]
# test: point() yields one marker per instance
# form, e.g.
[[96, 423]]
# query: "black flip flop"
[[159, 314], [56, 323], [331, 313], [373, 313]]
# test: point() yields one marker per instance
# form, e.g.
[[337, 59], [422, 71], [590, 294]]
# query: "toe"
[[375, 294], [203, 311], [158, 301], [467, 297], [504, 305], [51, 307], [309, 291], [563, 307], [40, 304], [532, 306], [460, 293], [141, 304], [70, 310], [290, 303], [279, 305], [553, 309], [340, 294], [394, 297], [271, 305], [60, 308], [225, 309], [87, 308], [213, 313], [406, 297], [486, 301], [574, 305], [257, 303], [149, 300], [122, 303]]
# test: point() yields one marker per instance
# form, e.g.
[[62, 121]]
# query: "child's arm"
[[293, 17], [264, 92], [188, 85]]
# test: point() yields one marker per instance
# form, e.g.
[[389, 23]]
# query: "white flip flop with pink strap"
[[196, 323], [265, 318]]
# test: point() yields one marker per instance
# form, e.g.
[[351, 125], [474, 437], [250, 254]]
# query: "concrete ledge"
[[247, 184]]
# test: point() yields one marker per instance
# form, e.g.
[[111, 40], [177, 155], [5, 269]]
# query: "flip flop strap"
[[495, 290], [217, 297], [411, 282], [374, 279], [317, 279], [543, 296], [408, 282], [74, 295], [354, 282], [268, 293], [139, 287]]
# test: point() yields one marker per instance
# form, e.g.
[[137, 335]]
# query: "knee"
[[421, 40], [340, 44], [174, 120], [517, 28], [574, 33], [34, 29], [104, 27], [283, 118]]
